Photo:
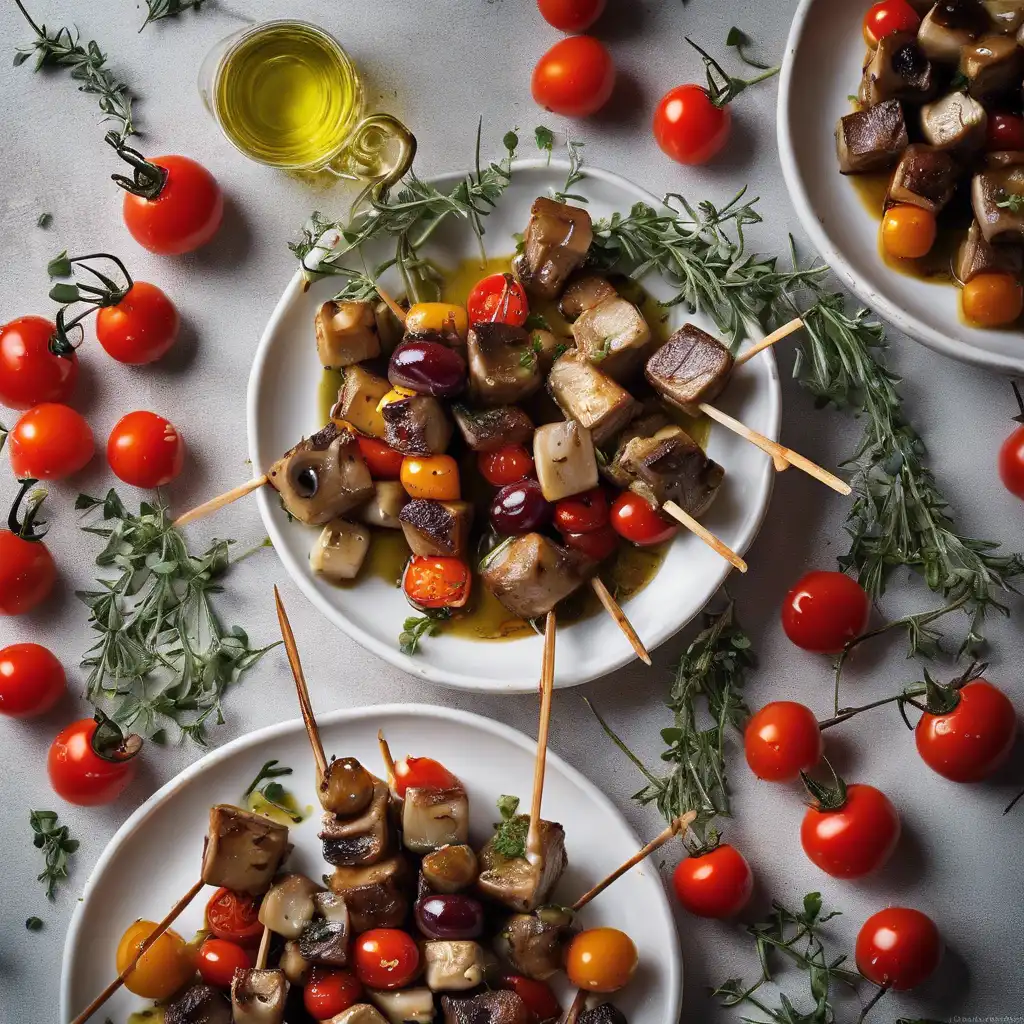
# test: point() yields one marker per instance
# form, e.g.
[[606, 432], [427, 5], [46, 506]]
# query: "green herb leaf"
[[575, 174], [511, 142], [65, 293], [416, 627], [34, 924], [59, 266], [57, 845], [545, 139], [535, 322], [270, 770], [1011, 201], [44, 220], [510, 833], [168, 9]]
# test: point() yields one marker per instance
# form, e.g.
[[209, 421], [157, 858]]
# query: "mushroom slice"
[[497, 1007], [555, 243], [346, 333], [690, 368], [590, 397], [437, 527], [871, 139], [417, 425], [358, 398], [924, 177], [295, 966], [377, 895], [289, 905], [955, 122], [992, 66], [976, 256], [486, 430], [517, 883], [258, 996], [243, 851], [503, 367], [453, 966], [613, 335], [1006, 16], [325, 939], [583, 293], [564, 457], [340, 550], [450, 869], [948, 27], [408, 1006], [1000, 216], [322, 477], [389, 498], [434, 818], [200, 1004], [364, 839], [897, 69], [536, 943]]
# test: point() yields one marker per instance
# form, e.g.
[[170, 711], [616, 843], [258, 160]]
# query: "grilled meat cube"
[[358, 398], [417, 425], [590, 397], [437, 527], [453, 966], [389, 498], [976, 256], [871, 139], [517, 883], [992, 66], [536, 943], [671, 466], [989, 190], [242, 851], [563, 454], [434, 818], [924, 177], [377, 896], [407, 1006], [322, 477], [340, 550], [486, 430], [897, 69], [450, 869], [949, 26], [583, 293], [555, 244], [289, 905], [503, 367], [1005, 16], [690, 368], [325, 939], [364, 839], [200, 1004], [955, 122], [497, 1007], [258, 996], [603, 1013], [613, 335], [346, 333], [530, 574]]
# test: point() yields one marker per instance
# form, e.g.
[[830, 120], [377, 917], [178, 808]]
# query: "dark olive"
[[347, 788], [520, 508], [450, 917], [428, 368]]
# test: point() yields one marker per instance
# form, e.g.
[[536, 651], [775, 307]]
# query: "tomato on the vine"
[[50, 442], [898, 947], [782, 740], [537, 995], [571, 15], [1011, 463], [30, 372], [823, 611], [689, 126], [887, 17], [92, 761], [601, 960], [234, 916], [852, 835], [27, 570], [145, 450], [330, 991], [139, 328], [638, 521], [386, 958], [575, 78], [162, 969], [597, 545], [500, 299], [422, 773], [507, 465], [583, 513], [716, 884], [218, 959], [32, 680], [383, 461]]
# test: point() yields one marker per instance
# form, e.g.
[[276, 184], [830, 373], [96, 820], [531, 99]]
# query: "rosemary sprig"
[[510, 833], [158, 9], [57, 845]]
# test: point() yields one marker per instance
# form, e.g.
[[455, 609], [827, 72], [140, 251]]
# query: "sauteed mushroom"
[[347, 788], [564, 458], [500, 1007], [871, 139], [555, 243], [453, 966], [346, 333], [517, 883], [691, 367], [289, 905], [358, 399], [363, 839], [437, 527], [377, 895], [408, 1006], [243, 851], [503, 367], [325, 939], [613, 335], [450, 869], [258, 996], [433, 819], [485, 430], [340, 550], [590, 397]]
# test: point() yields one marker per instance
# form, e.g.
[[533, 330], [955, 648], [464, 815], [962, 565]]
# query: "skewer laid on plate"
[[534, 846]]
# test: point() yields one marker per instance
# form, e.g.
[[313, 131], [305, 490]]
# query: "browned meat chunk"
[[199, 1004], [358, 399], [956, 122], [897, 69], [613, 335], [517, 883], [583, 293], [872, 139], [555, 244], [589, 396], [364, 839], [992, 66], [537, 942], [949, 26], [377, 896], [496, 1007], [924, 177], [243, 851], [976, 256], [417, 426], [434, 818], [346, 333], [503, 367], [486, 430], [999, 215], [671, 466], [690, 368], [437, 527]]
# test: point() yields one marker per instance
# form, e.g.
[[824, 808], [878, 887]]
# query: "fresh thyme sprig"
[[57, 845], [168, 9], [510, 833]]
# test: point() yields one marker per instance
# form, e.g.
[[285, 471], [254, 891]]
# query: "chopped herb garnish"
[[34, 924], [536, 322], [169, 9], [1011, 201], [560, 349], [57, 845], [416, 627], [510, 833]]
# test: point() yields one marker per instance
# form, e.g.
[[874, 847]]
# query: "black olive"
[[307, 483], [908, 61]]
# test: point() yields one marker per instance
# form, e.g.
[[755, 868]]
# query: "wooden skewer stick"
[[534, 847], [572, 1015], [211, 506], [305, 706], [395, 308], [389, 761], [166, 923], [684, 517], [681, 824], [611, 606], [768, 340], [776, 450], [264, 950]]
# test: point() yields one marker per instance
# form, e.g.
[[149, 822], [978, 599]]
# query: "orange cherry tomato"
[[908, 232], [383, 462], [218, 959], [140, 328], [601, 960], [506, 465], [716, 884], [499, 298], [575, 78], [431, 476], [50, 442], [145, 450], [422, 773], [898, 947], [638, 521], [32, 680], [782, 740], [90, 767], [571, 15], [164, 968], [689, 127], [234, 916], [437, 581], [386, 958], [992, 300], [887, 17], [29, 372]]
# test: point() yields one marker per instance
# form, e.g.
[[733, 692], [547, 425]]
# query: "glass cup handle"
[[379, 152]]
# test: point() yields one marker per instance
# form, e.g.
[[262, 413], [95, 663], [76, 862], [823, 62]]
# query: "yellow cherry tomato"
[[164, 968], [437, 318], [601, 960], [396, 394], [908, 231], [993, 300], [431, 476]]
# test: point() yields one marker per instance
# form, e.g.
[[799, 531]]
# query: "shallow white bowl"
[[283, 408], [822, 67], [155, 856]]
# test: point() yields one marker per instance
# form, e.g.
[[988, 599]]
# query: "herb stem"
[[869, 1005]]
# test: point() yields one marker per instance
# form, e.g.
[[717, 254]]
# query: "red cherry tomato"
[[383, 462], [1004, 132], [218, 960], [50, 442], [582, 513], [571, 15], [887, 17], [855, 839], [29, 372], [823, 611], [898, 947], [597, 546], [782, 740], [499, 299], [575, 78], [182, 214], [27, 573], [330, 991], [440, 581], [970, 742], [385, 958], [140, 328], [422, 773], [32, 680], [1011, 463], [537, 995], [506, 465], [715, 884], [638, 521], [145, 450], [689, 127], [234, 916], [90, 769]]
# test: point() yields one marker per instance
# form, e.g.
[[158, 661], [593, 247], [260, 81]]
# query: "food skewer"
[[768, 340], [699, 530], [572, 1015], [228, 497], [534, 847]]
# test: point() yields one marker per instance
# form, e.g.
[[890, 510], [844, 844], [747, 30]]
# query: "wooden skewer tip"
[[211, 506], [699, 530], [614, 609]]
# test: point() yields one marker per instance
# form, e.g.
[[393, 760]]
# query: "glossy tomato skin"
[[575, 78], [78, 774], [164, 968], [32, 680], [596, 545], [823, 611], [638, 521], [29, 372], [601, 960], [973, 740], [887, 17], [218, 959], [386, 958], [583, 513], [27, 573], [234, 916], [571, 15], [330, 991], [140, 328], [1011, 463], [855, 839], [1004, 132], [185, 215], [50, 442], [689, 127], [717, 884], [440, 581], [537, 995], [498, 298], [422, 773], [506, 465], [782, 740], [145, 450], [899, 947], [383, 462]]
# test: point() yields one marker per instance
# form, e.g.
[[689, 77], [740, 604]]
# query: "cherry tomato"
[[823, 611], [330, 991], [571, 15], [140, 328], [537, 995], [89, 767], [782, 740], [582, 513], [50, 442], [500, 299], [218, 960], [597, 546], [970, 742], [908, 232], [422, 773], [27, 573], [437, 581], [898, 947], [32, 680], [887, 17], [234, 916], [992, 300], [506, 465], [715, 884], [431, 476], [1011, 463], [638, 521], [383, 462], [145, 450], [164, 968], [855, 839], [689, 127], [601, 960], [575, 78], [385, 958], [1004, 132], [182, 214], [29, 372]]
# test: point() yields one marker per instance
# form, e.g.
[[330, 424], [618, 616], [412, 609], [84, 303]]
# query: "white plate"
[[283, 408], [822, 67], [155, 856]]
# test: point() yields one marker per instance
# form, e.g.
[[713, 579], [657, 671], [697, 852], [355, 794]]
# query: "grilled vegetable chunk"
[[243, 851], [503, 367], [450, 869], [583, 293], [992, 66], [453, 966], [690, 368], [377, 896], [417, 426], [537, 942], [955, 122], [361, 1013], [364, 839], [289, 906], [340, 550], [437, 527], [486, 430], [517, 883], [200, 1004], [613, 335], [976, 256], [948, 27], [346, 333], [990, 190], [554, 245], [590, 397], [434, 818], [325, 939], [258, 997], [389, 498], [498, 1007], [924, 177], [564, 456], [322, 477], [897, 69], [408, 1006], [358, 399], [671, 466], [871, 139]]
